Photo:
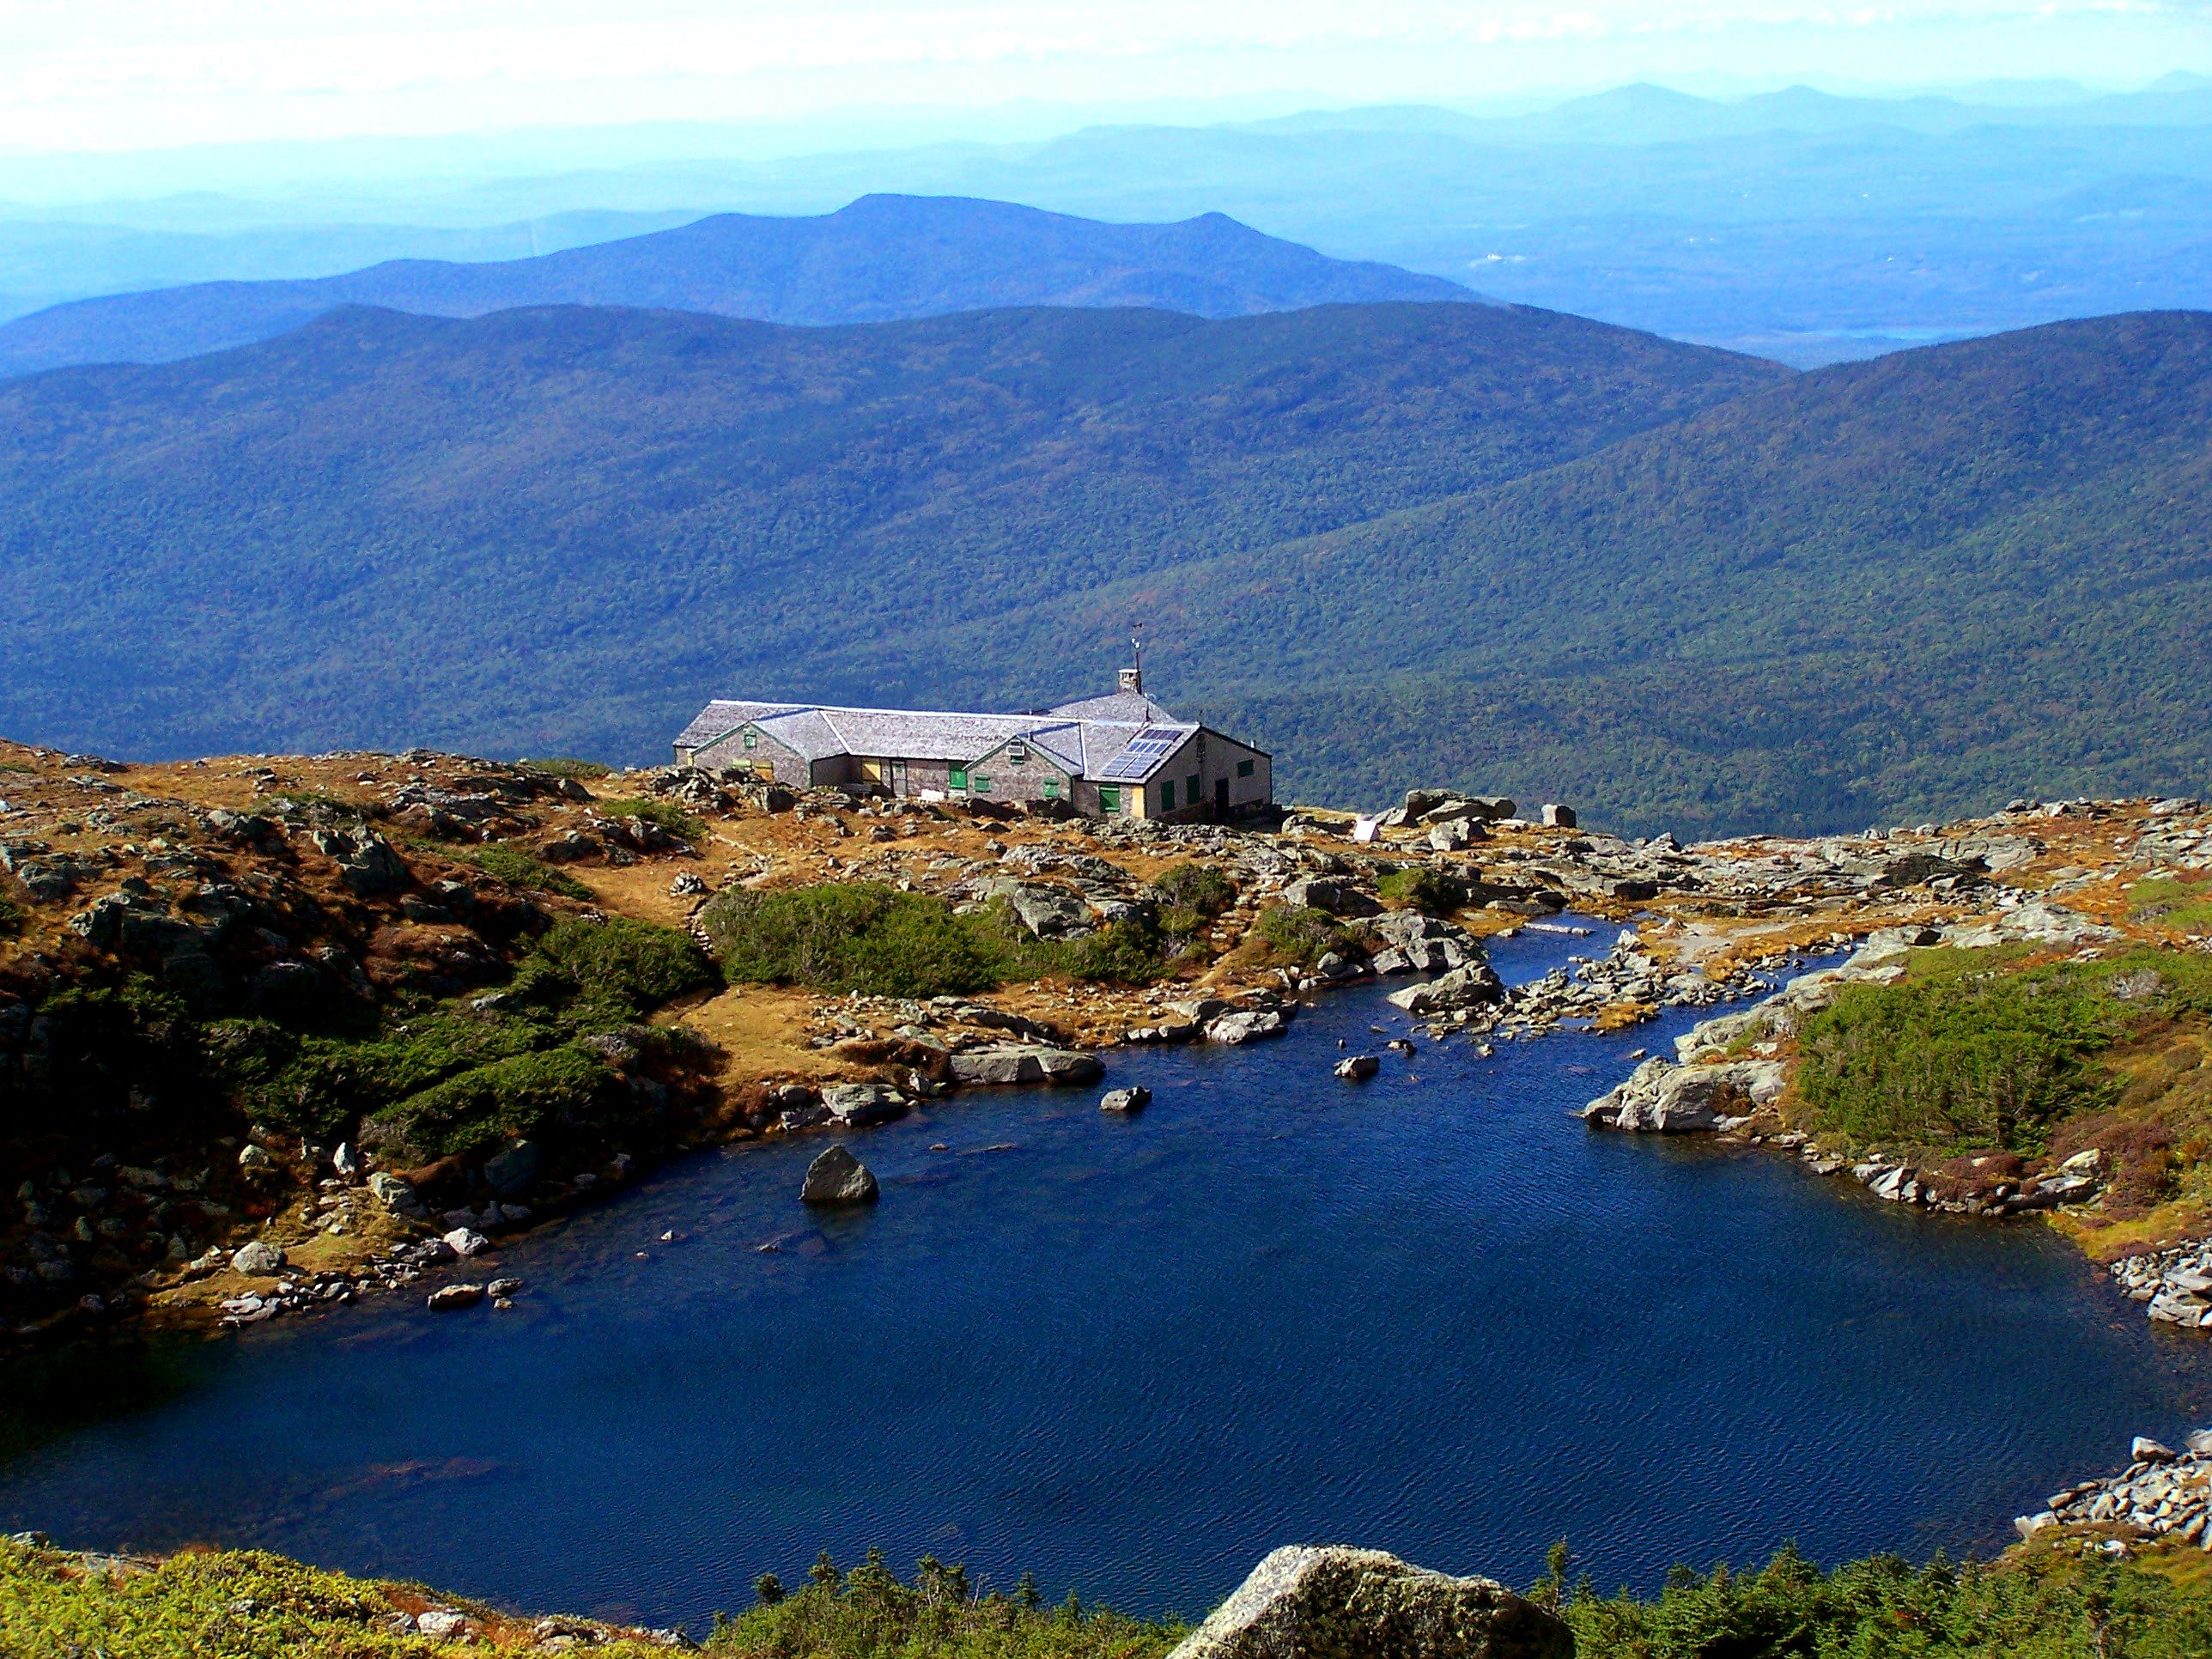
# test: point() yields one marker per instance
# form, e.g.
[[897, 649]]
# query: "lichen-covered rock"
[[858, 1105], [1663, 1099], [258, 1260], [1471, 986], [1012, 1063], [837, 1178], [1333, 1603]]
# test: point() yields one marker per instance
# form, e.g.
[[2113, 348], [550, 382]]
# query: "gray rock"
[[1010, 1063], [2144, 1450], [393, 1193], [1245, 1023], [447, 1297], [1665, 1099], [1471, 987], [1358, 1069], [1553, 816], [515, 1170], [1338, 897], [857, 1105], [1333, 1603], [258, 1260], [466, 1241], [1133, 1099], [365, 861], [1047, 911], [836, 1177]]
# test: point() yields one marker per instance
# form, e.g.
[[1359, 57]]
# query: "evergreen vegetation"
[[2044, 1603], [865, 937], [1972, 1052]]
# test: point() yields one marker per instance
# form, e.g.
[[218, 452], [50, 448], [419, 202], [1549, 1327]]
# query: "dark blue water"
[[1431, 1313]]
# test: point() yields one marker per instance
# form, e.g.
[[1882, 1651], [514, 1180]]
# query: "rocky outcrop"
[[1244, 1025], [1126, 1100], [1001, 1064], [1471, 986], [859, 1105], [1665, 1099], [837, 1178], [2161, 1493], [1337, 897], [1333, 1602]]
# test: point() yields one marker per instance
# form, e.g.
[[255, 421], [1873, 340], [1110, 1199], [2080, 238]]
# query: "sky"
[[127, 75]]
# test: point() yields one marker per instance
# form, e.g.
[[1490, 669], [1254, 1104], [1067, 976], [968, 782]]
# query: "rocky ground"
[[223, 892]]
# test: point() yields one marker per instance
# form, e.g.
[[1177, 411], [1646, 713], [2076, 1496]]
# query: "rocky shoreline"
[[328, 897]]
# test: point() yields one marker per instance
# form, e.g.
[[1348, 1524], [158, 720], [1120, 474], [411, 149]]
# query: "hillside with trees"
[[1393, 542]]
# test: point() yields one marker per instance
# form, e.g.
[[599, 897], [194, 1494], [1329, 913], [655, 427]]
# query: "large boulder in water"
[[837, 1178], [1331, 1602]]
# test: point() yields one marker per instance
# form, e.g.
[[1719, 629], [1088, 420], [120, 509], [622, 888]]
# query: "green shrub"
[[665, 814], [562, 767], [12, 916], [321, 1085], [505, 862], [865, 937], [528, 1095], [855, 936], [1302, 935], [1417, 887], [2056, 1608], [868, 1614], [621, 963], [232, 1604], [2184, 906], [1966, 1053], [1201, 888]]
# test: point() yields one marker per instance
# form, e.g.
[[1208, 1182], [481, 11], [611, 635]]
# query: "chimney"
[[1133, 679]]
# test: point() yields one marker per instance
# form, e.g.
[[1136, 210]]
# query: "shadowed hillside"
[[882, 257]]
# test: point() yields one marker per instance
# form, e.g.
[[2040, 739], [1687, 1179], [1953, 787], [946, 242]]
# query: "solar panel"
[[1146, 750]]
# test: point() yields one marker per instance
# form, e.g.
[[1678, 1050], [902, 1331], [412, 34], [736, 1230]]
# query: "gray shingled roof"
[[1131, 707], [1085, 742]]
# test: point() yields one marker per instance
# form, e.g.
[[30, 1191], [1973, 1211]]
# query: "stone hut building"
[[1118, 756]]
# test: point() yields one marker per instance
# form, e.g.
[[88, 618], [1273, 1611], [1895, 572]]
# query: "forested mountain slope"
[[880, 259], [562, 529], [1891, 588], [1392, 543]]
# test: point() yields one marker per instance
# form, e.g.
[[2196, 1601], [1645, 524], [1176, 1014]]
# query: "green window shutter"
[[957, 777], [979, 785], [752, 740], [1191, 789], [1167, 795], [1109, 797], [1052, 788], [1243, 768]]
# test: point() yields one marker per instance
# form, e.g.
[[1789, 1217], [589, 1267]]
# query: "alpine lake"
[[1432, 1313]]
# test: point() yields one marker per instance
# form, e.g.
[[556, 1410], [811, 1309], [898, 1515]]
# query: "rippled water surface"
[[1432, 1314]]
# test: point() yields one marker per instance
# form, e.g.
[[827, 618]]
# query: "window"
[[979, 785], [1167, 795], [752, 740], [957, 777], [1052, 788], [1016, 756], [1243, 768], [1109, 797], [1190, 789]]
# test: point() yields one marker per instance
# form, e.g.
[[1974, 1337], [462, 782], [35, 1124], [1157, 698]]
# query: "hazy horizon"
[[110, 76]]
